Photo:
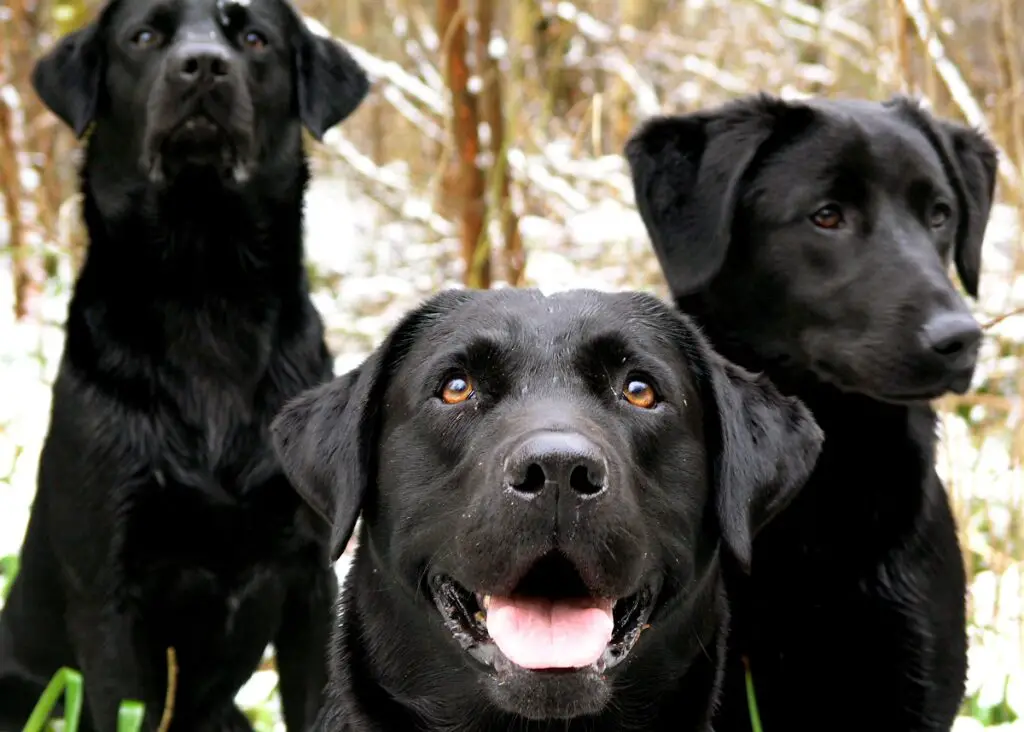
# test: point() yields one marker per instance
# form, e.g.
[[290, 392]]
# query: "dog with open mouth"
[[545, 483]]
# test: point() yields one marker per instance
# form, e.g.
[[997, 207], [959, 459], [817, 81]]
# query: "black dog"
[[811, 241], [162, 518], [541, 479]]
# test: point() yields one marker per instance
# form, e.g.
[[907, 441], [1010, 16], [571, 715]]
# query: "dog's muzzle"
[[193, 114]]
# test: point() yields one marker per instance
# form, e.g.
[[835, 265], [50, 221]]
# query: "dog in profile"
[[163, 519], [811, 241], [545, 484]]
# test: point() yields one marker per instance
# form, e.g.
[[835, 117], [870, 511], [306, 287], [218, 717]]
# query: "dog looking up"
[[162, 518]]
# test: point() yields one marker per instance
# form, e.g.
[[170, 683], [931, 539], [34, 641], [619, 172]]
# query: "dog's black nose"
[[197, 63], [953, 336], [564, 460]]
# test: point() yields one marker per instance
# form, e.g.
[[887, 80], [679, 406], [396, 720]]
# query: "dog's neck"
[[854, 424], [197, 232], [191, 277]]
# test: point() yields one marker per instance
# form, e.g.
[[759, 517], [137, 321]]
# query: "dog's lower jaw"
[[550, 695], [164, 157], [237, 169], [850, 383]]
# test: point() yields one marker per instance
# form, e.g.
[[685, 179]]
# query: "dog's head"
[[544, 477], [821, 233], [199, 84]]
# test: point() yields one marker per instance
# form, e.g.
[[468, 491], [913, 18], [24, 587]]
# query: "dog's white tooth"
[[486, 602]]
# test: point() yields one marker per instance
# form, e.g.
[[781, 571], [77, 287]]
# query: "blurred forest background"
[[488, 154]]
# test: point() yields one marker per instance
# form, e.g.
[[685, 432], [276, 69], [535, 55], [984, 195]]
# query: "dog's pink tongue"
[[536, 633]]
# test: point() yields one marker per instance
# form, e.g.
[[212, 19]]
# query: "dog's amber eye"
[[457, 390], [145, 38], [940, 215], [640, 394], [828, 217], [254, 40]]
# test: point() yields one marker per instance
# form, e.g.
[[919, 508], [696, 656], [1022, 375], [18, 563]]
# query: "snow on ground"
[[376, 270]]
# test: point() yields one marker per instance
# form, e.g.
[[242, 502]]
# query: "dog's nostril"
[[586, 482], [949, 347], [190, 67], [533, 481], [219, 67]]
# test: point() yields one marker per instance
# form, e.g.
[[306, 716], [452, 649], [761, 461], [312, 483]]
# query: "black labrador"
[[163, 519], [811, 242], [545, 483]]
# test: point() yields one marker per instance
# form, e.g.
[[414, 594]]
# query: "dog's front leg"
[[301, 647], [107, 646]]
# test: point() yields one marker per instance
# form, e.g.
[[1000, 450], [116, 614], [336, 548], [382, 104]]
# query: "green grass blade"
[[73, 693], [755, 716], [129, 716], [8, 571], [65, 679]]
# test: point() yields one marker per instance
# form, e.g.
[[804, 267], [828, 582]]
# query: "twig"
[[172, 688], [1000, 318]]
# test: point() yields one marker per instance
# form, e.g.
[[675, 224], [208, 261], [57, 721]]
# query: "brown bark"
[[20, 34], [10, 186], [493, 112], [469, 185]]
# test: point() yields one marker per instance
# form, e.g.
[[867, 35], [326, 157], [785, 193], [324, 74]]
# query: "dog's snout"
[[200, 63], [953, 336], [565, 461]]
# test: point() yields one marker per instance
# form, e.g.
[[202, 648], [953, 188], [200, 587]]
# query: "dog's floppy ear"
[[975, 162], [687, 173], [767, 446], [971, 162], [330, 83], [326, 438], [67, 78]]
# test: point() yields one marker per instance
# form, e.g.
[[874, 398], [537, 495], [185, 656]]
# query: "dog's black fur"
[[162, 517], [811, 241], [446, 515]]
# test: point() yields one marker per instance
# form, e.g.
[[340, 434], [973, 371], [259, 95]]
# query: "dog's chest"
[[216, 341], [216, 374]]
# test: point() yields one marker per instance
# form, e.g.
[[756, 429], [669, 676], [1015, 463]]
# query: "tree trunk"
[[21, 33], [493, 111], [469, 183]]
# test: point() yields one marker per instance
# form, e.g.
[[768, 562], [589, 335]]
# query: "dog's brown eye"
[[640, 394], [457, 390], [828, 217], [940, 215], [254, 40], [145, 38]]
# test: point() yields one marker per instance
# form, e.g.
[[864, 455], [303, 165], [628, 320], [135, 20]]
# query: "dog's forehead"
[[216, 12], [865, 139], [868, 137], [546, 326], [566, 317]]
